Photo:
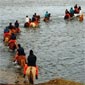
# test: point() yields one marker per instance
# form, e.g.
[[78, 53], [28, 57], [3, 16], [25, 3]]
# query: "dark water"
[[59, 45]]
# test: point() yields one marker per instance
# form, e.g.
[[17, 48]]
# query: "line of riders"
[[76, 12], [34, 22], [30, 69], [9, 38], [10, 33]]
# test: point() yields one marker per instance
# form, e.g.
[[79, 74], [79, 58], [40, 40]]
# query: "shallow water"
[[59, 45]]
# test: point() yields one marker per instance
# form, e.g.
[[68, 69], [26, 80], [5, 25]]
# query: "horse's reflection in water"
[[30, 73]]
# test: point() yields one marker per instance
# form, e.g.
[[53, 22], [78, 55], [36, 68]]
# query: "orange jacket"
[[25, 68], [12, 41], [6, 34], [37, 70]]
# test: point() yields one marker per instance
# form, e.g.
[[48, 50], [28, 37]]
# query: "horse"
[[81, 17], [12, 44], [21, 60], [6, 38], [26, 24], [34, 24], [17, 30], [31, 74]]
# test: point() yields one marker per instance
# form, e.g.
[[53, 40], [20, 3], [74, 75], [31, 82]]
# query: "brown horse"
[[6, 38], [30, 73], [34, 24], [81, 17], [21, 60], [26, 24], [12, 44]]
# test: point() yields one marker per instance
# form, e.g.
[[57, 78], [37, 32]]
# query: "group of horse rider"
[[35, 17], [47, 16], [9, 38], [10, 33], [70, 13], [24, 61], [34, 21]]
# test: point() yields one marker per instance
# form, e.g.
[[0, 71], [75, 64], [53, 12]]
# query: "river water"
[[59, 45]]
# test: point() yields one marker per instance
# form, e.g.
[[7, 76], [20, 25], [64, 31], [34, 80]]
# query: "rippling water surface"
[[59, 45]]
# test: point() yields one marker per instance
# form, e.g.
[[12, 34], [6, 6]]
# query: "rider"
[[10, 26], [27, 19], [12, 42], [16, 24], [20, 54], [6, 30], [20, 50], [80, 11], [75, 6], [35, 14], [71, 11], [32, 61], [13, 36], [76, 10], [46, 14], [81, 17], [67, 14], [33, 18], [6, 33]]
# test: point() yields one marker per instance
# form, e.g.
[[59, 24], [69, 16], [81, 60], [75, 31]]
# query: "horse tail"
[[31, 76]]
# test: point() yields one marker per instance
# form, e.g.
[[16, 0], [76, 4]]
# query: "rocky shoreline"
[[19, 80], [51, 82]]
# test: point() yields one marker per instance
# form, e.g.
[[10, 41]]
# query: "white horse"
[[31, 73]]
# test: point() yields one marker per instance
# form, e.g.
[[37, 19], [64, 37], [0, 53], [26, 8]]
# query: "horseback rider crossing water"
[[46, 16], [31, 67]]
